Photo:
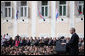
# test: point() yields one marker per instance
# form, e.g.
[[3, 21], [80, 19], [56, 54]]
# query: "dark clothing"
[[6, 43], [24, 42], [11, 42], [73, 44], [50, 42], [36, 42], [20, 44], [28, 42], [46, 42], [54, 42], [18, 37]]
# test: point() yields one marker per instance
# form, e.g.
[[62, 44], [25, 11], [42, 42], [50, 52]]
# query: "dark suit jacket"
[[73, 44], [50, 42], [36, 42], [24, 42]]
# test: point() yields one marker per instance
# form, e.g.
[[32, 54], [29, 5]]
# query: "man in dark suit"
[[72, 45]]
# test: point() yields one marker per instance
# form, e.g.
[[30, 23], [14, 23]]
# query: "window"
[[62, 8], [23, 3], [8, 9], [7, 4], [44, 8], [23, 9], [81, 8]]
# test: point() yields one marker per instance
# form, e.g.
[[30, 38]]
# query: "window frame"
[[62, 9], [26, 6], [8, 10], [44, 8]]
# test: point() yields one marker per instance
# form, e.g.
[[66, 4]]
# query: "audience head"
[[62, 37], [7, 33]]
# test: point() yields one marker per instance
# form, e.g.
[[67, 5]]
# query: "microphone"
[[61, 38]]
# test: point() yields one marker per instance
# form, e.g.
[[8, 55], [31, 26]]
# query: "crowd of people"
[[30, 46], [28, 50]]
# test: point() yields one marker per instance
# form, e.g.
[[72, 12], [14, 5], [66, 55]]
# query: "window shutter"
[[76, 8], [12, 13], [49, 7], [29, 12], [2, 9], [67, 6], [18, 5]]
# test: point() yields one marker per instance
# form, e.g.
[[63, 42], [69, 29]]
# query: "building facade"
[[23, 18]]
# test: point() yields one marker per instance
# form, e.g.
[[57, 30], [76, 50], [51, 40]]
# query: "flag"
[[79, 12], [77, 6], [17, 14], [41, 15], [57, 14]]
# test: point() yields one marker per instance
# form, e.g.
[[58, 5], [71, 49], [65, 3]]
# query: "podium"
[[59, 47]]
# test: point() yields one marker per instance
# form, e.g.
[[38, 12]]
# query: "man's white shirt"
[[7, 37]]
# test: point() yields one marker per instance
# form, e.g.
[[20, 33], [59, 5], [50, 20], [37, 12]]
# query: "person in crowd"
[[80, 42], [50, 42], [1, 37], [28, 41], [36, 42], [81, 46], [14, 40], [46, 41], [54, 41], [6, 43], [4, 36], [17, 36], [17, 43], [41, 42], [20, 44], [2, 41], [7, 37], [11, 41], [24, 42], [31, 41]]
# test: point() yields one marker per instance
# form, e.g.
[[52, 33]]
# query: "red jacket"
[[17, 43]]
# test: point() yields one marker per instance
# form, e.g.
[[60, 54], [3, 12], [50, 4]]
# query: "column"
[[72, 5], [34, 14], [15, 22], [53, 17]]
